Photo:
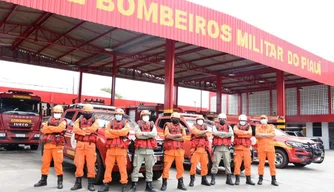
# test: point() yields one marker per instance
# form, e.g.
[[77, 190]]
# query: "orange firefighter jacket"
[[265, 138], [175, 152], [242, 134], [113, 134], [197, 132], [53, 129]]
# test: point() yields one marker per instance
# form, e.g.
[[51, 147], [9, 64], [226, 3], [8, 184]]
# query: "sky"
[[301, 22]]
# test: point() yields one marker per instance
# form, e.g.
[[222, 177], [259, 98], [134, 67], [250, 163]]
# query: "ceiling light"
[[108, 49], [231, 74], [261, 81], [162, 61]]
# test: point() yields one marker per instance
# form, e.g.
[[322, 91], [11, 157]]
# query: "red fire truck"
[[20, 119]]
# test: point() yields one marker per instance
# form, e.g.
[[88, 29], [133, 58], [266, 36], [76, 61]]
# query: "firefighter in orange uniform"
[[265, 147], [117, 144], [53, 141], [242, 144], [144, 150], [85, 130], [199, 150], [175, 135]]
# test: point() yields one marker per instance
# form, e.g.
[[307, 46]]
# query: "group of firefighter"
[[117, 131]]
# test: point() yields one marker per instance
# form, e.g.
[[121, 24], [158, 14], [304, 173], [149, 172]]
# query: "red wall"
[[65, 98]]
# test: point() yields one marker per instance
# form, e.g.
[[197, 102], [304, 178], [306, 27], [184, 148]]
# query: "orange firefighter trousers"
[[271, 160], [54, 152], [201, 156], [176, 155], [85, 151], [119, 156], [244, 154]]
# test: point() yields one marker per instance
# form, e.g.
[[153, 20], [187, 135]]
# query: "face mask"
[[200, 122], [222, 122], [264, 121], [57, 115], [87, 115], [118, 117], [175, 121], [146, 118], [242, 122]]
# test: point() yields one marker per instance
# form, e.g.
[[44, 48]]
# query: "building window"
[[317, 130]]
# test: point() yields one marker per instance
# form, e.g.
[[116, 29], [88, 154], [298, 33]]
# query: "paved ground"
[[21, 169]]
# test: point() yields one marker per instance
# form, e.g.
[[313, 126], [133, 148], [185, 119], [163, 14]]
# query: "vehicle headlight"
[[2, 134], [294, 144], [37, 135]]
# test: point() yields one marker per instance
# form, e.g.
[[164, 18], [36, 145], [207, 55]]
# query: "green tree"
[[108, 90]]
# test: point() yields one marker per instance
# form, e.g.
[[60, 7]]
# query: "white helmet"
[[222, 116], [242, 117]]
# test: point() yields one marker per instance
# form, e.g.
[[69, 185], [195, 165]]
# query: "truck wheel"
[[299, 165], [34, 147], [156, 175], [281, 160], [99, 169], [199, 169]]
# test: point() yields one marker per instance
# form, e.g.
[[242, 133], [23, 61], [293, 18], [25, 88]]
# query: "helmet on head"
[[263, 117], [175, 115], [88, 108], [119, 111], [145, 112], [222, 116], [199, 117], [58, 109], [242, 117]]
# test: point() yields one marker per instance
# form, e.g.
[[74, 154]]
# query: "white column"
[[325, 134], [309, 129]]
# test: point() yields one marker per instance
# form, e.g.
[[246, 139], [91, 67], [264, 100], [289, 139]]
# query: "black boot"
[[204, 181], [260, 180], [104, 188], [164, 184], [91, 184], [273, 180], [77, 184], [180, 184], [237, 180], [42, 182], [123, 189], [213, 179], [192, 180], [149, 187], [249, 181], [229, 179], [60, 182], [133, 187]]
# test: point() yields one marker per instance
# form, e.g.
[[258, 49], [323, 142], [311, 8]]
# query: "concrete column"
[[219, 88], [80, 85], [280, 93], [113, 83], [169, 76]]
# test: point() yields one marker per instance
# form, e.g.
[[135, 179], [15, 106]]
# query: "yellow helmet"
[[145, 112], [199, 117], [175, 115], [88, 108], [119, 111], [58, 109]]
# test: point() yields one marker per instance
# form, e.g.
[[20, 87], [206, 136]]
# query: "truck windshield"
[[19, 106], [279, 132], [104, 118]]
